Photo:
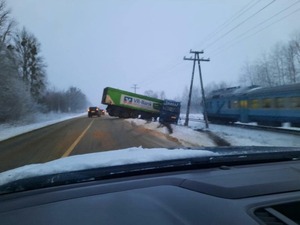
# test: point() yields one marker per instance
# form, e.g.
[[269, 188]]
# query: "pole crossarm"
[[197, 52], [197, 60]]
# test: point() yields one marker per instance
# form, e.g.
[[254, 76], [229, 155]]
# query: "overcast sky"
[[92, 44]]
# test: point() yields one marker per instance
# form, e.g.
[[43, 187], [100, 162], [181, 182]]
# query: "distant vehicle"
[[93, 111], [126, 104], [267, 106], [102, 111]]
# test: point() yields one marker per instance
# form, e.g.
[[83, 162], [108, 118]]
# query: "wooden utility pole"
[[196, 58], [135, 87]]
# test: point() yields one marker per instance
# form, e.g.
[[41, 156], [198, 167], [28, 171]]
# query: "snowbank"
[[42, 120], [185, 135]]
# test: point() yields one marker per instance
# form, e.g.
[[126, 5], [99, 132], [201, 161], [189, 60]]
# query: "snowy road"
[[78, 136]]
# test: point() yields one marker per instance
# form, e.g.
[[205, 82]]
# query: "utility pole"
[[196, 58], [135, 87]]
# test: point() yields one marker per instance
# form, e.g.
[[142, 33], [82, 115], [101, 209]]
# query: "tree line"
[[23, 76], [278, 67]]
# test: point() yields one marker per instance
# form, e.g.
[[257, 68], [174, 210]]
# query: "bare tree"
[[196, 99], [31, 64], [277, 64], [71, 100], [263, 76], [15, 100], [281, 66], [76, 100], [216, 86], [7, 24], [290, 55], [162, 95], [151, 93]]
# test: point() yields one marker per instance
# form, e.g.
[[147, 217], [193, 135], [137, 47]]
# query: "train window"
[[234, 104], [267, 103], [295, 102], [243, 103], [254, 103], [279, 102]]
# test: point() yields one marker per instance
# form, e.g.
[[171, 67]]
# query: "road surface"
[[77, 136]]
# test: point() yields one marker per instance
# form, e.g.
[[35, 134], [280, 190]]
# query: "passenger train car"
[[266, 106]]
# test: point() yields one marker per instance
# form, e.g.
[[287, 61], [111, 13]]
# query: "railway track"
[[255, 127], [268, 128]]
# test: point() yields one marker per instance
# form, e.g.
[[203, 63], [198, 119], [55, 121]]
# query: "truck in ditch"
[[124, 104]]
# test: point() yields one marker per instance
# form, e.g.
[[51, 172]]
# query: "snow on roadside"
[[245, 137], [237, 136], [234, 135], [185, 135], [42, 120]]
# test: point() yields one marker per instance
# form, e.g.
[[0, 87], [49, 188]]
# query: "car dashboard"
[[264, 193]]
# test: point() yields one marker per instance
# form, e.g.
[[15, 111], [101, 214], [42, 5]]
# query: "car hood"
[[100, 160], [121, 161]]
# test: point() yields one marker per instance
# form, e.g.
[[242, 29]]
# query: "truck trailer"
[[124, 104]]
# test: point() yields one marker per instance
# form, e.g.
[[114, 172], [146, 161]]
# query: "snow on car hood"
[[100, 160]]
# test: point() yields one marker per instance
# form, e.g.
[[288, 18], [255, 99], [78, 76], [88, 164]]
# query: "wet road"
[[77, 136]]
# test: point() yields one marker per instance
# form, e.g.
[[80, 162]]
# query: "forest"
[[24, 89]]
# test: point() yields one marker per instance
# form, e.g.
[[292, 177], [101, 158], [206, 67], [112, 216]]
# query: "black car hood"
[[135, 160]]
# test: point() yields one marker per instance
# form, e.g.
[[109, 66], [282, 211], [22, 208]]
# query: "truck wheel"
[[134, 115], [125, 114]]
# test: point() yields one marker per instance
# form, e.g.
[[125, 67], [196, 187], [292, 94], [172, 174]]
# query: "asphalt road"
[[77, 136]]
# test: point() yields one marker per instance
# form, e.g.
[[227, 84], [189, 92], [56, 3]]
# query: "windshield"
[[143, 78]]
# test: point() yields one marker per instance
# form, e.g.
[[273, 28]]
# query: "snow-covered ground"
[[185, 135], [41, 120], [245, 137], [235, 136], [188, 136]]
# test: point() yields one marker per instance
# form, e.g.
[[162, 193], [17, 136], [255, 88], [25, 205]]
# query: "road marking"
[[71, 148]]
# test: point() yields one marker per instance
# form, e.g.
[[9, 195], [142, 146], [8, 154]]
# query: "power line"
[[282, 18], [238, 14], [166, 69], [230, 20], [254, 27], [248, 18], [264, 28]]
